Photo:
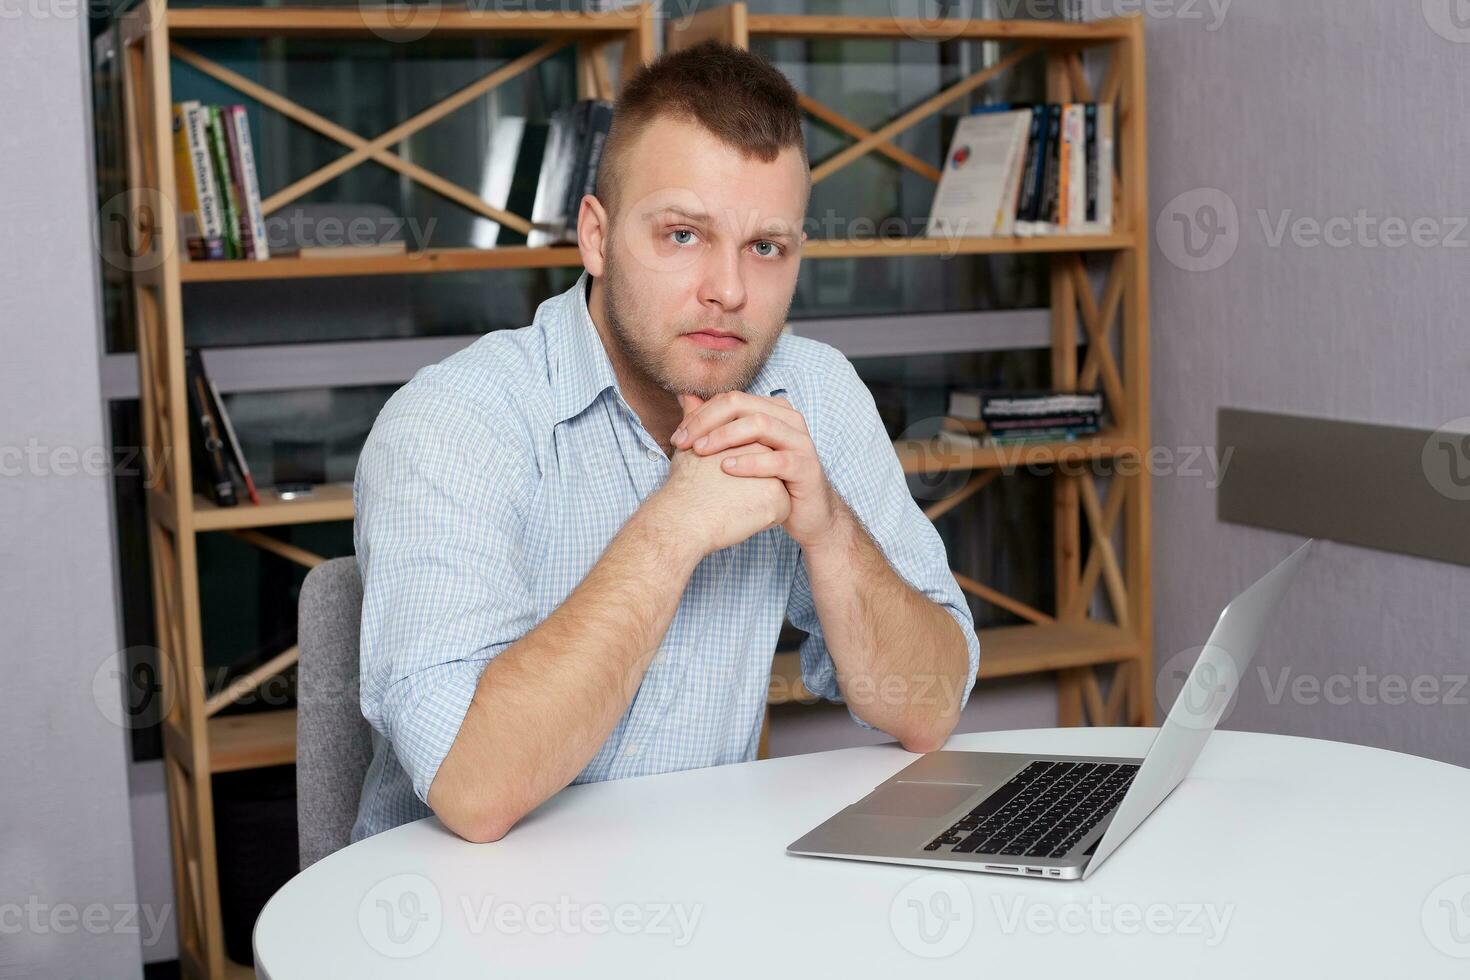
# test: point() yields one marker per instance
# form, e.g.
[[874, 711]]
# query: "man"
[[579, 539]]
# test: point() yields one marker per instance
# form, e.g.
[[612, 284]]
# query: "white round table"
[[1277, 857]]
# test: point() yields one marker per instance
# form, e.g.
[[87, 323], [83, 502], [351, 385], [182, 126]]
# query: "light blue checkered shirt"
[[493, 481]]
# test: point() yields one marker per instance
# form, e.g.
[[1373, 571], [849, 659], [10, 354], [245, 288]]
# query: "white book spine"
[[250, 182], [1005, 221], [1074, 128]]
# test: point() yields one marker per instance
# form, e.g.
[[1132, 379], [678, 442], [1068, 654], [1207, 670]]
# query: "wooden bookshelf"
[[201, 735]]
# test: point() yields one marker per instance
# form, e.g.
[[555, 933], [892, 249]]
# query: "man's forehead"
[[679, 169]]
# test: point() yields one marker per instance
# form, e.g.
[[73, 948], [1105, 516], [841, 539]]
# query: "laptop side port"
[[1034, 871]]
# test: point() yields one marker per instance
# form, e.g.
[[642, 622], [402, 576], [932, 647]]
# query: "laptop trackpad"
[[915, 799]]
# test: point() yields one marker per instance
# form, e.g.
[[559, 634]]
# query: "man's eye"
[[775, 249], [681, 231]]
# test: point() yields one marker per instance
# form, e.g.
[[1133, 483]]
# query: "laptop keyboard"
[[1042, 812]]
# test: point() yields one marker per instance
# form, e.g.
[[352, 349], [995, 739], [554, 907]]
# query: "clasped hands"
[[763, 444]]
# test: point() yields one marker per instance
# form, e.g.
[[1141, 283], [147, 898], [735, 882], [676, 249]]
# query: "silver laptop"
[[1051, 816]]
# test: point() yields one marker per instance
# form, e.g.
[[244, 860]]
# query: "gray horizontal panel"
[[281, 367], [1393, 489]]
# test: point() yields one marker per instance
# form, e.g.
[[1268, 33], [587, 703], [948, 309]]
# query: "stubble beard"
[[651, 362]]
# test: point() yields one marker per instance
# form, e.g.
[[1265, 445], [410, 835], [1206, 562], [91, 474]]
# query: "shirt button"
[[654, 455], [631, 750]]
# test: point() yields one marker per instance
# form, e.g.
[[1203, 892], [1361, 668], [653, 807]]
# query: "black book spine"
[[581, 118], [212, 446], [598, 127], [1051, 181], [1035, 154], [1090, 124]]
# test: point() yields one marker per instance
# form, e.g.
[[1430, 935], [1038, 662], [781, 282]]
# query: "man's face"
[[701, 258]]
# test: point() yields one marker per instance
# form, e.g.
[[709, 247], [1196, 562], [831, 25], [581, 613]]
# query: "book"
[[187, 204], [500, 164], [1072, 170], [1089, 127], [521, 196], [1100, 171], [548, 211], [222, 418], [245, 232], [212, 469], [1030, 198], [597, 124], [981, 177], [1044, 220], [247, 183], [569, 167], [219, 155], [398, 247], [995, 406], [199, 173]]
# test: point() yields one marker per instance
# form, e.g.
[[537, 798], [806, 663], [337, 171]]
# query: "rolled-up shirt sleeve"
[[862, 467], [439, 494]]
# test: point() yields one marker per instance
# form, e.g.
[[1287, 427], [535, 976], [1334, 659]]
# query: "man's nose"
[[723, 283]]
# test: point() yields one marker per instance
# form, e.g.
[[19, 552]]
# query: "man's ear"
[[592, 228]]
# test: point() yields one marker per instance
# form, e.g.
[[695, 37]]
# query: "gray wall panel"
[[1318, 110]]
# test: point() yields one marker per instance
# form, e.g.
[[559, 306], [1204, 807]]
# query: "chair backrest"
[[333, 740]]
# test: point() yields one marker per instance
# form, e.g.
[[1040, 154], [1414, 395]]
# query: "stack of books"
[[1044, 169], [574, 144], [218, 190], [1008, 417]]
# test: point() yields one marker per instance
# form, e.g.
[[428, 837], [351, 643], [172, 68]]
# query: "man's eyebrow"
[[776, 231], [770, 230], [667, 209]]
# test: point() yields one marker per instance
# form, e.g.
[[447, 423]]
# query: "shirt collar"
[[581, 370]]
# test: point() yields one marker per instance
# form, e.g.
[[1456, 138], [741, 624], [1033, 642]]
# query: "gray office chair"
[[333, 740]]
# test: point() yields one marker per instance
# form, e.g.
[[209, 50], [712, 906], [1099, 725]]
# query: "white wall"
[[1321, 108], [66, 859]]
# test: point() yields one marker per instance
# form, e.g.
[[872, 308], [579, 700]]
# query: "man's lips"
[[714, 339]]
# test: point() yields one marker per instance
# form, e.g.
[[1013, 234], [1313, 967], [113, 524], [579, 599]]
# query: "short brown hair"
[[738, 96]]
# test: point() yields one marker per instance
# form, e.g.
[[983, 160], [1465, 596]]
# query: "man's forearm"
[[901, 659], [545, 704]]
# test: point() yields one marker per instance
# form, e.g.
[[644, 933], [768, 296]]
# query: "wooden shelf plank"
[[388, 23], [420, 263], [434, 260], [329, 502], [1009, 651], [926, 456], [878, 248], [939, 29], [253, 741]]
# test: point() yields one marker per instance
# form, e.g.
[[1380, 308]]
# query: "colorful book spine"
[[206, 184], [220, 155], [187, 204]]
